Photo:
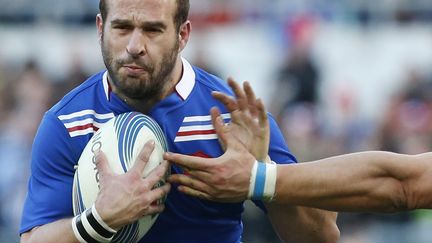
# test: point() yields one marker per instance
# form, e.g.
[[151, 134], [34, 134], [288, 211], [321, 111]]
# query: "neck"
[[174, 79], [143, 106]]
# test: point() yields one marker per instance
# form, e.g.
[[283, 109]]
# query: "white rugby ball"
[[121, 139]]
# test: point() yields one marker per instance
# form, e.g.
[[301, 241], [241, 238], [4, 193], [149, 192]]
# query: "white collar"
[[187, 82], [183, 88]]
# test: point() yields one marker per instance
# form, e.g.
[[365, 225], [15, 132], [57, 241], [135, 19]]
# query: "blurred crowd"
[[25, 94], [403, 125]]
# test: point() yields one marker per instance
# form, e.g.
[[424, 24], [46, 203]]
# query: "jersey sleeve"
[[278, 150], [49, 196]]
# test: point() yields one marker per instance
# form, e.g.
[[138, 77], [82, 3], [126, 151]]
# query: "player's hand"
[[249, 123], [124, 198]]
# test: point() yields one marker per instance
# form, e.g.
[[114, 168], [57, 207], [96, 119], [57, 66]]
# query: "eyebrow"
[[147, 24]]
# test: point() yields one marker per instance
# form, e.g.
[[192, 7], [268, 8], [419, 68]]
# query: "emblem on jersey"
[[198, 128]]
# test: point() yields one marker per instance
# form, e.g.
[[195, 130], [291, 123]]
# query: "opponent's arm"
[[122, 199], [367, 181]]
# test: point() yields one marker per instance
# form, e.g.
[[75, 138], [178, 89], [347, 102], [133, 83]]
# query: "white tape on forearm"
[[91, 231], [89, 227], [100, 220], [262, 181], [75, 230]]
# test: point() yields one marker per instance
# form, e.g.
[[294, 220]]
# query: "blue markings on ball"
[[127, 127]]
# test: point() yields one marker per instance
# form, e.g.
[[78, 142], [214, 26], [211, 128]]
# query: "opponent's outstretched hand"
[[124, 198], [245, 138], [249, 123]]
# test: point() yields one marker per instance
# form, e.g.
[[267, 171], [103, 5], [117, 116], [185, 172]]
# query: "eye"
[[153, 30], [122, 28]]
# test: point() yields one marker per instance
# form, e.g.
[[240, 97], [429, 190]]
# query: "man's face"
[[140, 46]]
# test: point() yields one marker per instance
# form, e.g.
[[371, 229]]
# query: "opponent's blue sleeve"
[[49, 196], [278, 150]]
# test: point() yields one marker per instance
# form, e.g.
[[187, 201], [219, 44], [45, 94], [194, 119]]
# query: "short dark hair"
[[180, 16], [182, 12]]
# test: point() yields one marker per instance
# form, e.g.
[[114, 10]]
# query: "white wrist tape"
[[89, 227], [262, 181]]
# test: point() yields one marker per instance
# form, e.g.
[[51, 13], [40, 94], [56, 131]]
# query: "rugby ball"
[[121, 139]]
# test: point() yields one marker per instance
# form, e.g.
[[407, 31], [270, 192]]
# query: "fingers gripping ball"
[[121, 139]]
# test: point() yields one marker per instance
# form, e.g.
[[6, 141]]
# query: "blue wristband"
[[262, 181]]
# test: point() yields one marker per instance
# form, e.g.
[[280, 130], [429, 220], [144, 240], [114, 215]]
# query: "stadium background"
[[340, 76]]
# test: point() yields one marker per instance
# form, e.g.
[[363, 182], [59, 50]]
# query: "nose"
[[136, 46]]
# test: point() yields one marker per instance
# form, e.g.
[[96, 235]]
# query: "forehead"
[[142, 10]]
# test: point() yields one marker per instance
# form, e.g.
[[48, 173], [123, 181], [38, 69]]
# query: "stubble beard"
[[141, 90]]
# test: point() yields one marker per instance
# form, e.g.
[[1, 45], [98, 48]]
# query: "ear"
[[184, 33], [99, 26]]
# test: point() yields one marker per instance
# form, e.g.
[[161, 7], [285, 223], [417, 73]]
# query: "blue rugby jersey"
[[185, 119]]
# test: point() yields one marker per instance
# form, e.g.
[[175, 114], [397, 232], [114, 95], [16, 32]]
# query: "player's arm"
[[51, 233], [122, 199], [46, 212], [303, 224], [366, 181]]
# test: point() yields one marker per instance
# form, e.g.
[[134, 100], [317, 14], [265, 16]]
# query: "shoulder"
[[80, 96], [210, 81], [84, 108]]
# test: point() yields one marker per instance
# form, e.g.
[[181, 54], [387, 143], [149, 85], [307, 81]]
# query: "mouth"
[[134, 69]]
